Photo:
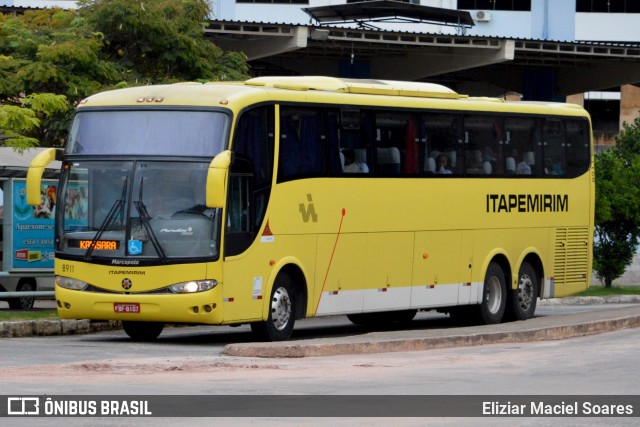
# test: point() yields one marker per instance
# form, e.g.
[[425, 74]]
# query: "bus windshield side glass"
[[149, 132]]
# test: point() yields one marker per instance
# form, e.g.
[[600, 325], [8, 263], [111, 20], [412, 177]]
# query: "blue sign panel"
[[33, 228]]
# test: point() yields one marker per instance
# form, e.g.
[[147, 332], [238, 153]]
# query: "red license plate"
[[128, 307]]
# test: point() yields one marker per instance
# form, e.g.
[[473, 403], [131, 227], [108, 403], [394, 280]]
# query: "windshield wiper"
[[116, 208], [145, 220]]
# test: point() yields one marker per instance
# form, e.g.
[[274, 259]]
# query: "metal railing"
[[26, 294]]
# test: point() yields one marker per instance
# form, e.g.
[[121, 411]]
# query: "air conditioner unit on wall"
[[482, 16]]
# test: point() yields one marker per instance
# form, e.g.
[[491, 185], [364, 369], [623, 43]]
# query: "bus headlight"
[[193, 286], [69, 283]]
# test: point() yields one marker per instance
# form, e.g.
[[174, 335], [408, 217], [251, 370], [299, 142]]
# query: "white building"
[[568, 20], [609, 93]]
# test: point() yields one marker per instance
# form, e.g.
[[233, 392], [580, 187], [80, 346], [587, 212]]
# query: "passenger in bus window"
[[551, 168], [350, 165], [523, 168], [488, 155], [443, 165]]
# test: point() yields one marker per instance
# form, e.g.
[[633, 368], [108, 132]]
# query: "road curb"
[[458, 337], [29, 328], [612, 299]]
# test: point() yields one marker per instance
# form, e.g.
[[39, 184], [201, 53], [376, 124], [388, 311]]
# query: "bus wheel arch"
[[522, 299], [286, 303], [299, 288]]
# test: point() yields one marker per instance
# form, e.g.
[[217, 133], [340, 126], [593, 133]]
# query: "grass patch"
[[601, 291], [35, 314]]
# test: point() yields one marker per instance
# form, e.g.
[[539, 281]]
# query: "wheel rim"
[[493, 294], [525, 294], [280, 308], [26, 301]]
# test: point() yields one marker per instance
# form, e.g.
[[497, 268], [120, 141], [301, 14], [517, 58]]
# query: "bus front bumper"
[[196, 308]]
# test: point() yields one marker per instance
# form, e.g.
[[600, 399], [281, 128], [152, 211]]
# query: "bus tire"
[[23, 303], [142, 331], [494, 296], [521, 304], [281, 319]]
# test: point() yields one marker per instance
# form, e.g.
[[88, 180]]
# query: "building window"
[[517, 5], [608, 6]]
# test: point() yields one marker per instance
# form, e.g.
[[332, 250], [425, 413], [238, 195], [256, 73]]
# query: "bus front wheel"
[[522, 301], [142, 331], [494, 296], [279, 323]]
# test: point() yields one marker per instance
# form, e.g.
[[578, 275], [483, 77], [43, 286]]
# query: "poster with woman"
[[32, 230]]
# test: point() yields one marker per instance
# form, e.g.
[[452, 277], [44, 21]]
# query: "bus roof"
[[361, 86], [237, 95]]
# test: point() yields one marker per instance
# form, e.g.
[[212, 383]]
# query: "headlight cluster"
[[69, 283], [193, 286], [179, 288]]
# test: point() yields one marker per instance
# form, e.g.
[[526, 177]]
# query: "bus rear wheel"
[[522, 301], [281, 319], [494, 296], [142, 331]]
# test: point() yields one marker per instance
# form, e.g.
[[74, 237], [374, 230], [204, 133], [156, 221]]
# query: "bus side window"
[[484, 147], [578, 155], [397, 148], [303, 142], [554, 146], [521, 135], [442, 133], [239, 208]]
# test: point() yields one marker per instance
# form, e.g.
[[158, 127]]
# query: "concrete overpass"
[[477, 65]]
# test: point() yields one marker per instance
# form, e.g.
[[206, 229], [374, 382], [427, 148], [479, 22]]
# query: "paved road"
[[188, 361]]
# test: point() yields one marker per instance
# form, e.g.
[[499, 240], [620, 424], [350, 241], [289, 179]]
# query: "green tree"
[[617, 217], [161, 40], [47, 57], [19, 123], [69, 55]]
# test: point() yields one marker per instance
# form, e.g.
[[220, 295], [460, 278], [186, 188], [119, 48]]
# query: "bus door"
[[249, 189]]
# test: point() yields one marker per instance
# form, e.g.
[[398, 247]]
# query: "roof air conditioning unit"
[[482, 16]]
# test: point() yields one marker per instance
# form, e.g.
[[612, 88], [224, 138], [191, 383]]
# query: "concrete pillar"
[[629, 104], [577, 99]]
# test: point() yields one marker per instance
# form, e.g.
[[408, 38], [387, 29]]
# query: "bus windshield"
[[149, 132], [142, 209]]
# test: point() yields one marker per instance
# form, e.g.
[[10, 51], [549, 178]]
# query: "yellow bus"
[[280, 198]]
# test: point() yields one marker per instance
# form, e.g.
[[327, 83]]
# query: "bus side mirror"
[[217, 180], [36, 169]]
